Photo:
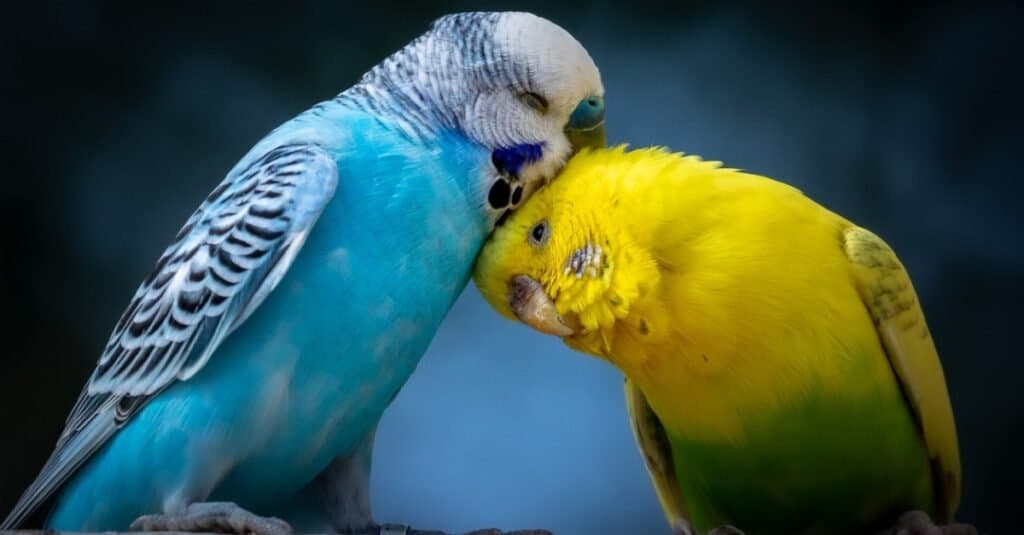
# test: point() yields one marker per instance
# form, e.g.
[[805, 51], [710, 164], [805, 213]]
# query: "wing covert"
[[221, 265], [889, 296], [657, 453]]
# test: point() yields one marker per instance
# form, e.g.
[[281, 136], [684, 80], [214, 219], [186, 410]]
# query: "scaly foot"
[[516, 532], [399, 529], [219, 517]]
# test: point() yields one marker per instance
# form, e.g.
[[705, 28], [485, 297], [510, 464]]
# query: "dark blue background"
[[118, 119]]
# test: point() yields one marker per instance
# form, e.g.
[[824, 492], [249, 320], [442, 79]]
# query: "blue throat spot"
[[510, 160]]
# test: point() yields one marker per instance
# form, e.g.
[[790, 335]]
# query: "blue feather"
[[307, 376]]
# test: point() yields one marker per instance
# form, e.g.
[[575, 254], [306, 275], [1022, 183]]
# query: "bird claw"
[[393, 529], [516, 532], [218, 517], [493, 531], [400, 529], [919, 523]]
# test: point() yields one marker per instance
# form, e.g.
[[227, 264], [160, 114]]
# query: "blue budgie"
[[254, 362]]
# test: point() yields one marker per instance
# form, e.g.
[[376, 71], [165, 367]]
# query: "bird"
[[247, 374], [779, 374]]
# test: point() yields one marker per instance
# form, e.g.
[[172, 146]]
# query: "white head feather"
[[484, 74]]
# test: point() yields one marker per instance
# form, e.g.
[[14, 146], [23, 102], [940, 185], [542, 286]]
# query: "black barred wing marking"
[[222, 264], [226, 259], [203, 282]]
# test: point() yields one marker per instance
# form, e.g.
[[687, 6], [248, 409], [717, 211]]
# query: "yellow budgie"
[[780, 375]]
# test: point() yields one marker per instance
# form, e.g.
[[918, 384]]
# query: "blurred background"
[[118, 119]]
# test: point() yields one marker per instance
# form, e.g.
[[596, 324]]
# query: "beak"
[[533, 307], [580, 139], [586, 124]]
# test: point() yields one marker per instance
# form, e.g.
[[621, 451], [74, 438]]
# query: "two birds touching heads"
[[779, 373]]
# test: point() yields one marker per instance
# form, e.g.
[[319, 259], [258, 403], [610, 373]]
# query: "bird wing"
[[657, 452], [887, 292], [222, 264]]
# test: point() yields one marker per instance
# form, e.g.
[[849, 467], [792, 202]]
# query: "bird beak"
[[532, 306], [586, 124], [593, 138]]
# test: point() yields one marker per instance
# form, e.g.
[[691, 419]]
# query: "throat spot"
[[508, 190], [504, 195], [500, 194]]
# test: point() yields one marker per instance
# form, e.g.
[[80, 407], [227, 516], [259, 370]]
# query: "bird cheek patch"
[[510, 160], [587, 260]]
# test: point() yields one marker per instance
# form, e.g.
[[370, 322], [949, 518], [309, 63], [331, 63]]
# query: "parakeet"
[[254, 362], [780, 375]]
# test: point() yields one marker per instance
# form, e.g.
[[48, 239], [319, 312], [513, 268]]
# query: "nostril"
[[592, 102]]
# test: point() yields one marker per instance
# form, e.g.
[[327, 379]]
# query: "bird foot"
[[399, 529], [493, 531], [389, 529], [218, 517], [919, 523]]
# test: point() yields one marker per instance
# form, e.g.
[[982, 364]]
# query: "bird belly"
[[348, 349], [823, 464]]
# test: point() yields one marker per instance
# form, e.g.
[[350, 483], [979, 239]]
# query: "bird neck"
[[411, 112], [421, 105]]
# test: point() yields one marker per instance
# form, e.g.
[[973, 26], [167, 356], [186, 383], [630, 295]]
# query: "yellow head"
[[567, 263]]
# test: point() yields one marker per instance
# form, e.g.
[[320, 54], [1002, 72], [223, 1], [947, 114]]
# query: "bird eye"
[[539, 233], [534, 101]]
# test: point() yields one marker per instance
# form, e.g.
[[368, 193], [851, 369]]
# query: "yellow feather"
[[725, 297], [886, 290], [657, 453]]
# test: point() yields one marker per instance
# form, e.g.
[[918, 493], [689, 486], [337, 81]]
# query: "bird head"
[[514, 83], [565, 262]]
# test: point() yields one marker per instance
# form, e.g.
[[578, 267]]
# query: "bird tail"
[[65, 460]]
